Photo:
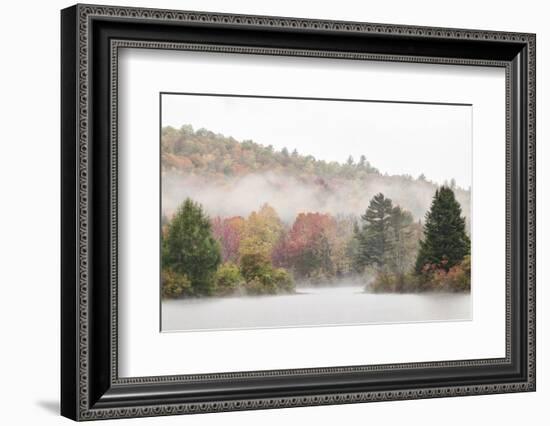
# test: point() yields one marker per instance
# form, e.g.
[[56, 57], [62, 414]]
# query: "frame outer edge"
[[83, 105], [69, 191], [531, 200], [83, 13]]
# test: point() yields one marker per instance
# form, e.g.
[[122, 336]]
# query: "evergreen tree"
[[373, 237], [352, 249], [445, 240], [402, 242], [189, 247], [388, 238]]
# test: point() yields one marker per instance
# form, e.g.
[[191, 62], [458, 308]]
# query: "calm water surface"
[[312, 307]]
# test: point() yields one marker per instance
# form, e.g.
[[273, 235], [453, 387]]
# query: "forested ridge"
[[231, 225], [207, 153], [230, 169]]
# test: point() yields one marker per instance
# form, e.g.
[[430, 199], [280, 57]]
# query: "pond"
[[341, 305]]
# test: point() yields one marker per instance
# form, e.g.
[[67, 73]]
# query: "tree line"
[[205, 152], [260, 254]]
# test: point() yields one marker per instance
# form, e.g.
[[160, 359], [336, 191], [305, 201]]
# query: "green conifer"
[[445, 240]]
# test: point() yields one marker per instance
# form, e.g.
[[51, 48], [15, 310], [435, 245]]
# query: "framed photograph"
[[263, 212]]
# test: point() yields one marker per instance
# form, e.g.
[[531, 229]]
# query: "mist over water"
[[289, 196], [313, 306]]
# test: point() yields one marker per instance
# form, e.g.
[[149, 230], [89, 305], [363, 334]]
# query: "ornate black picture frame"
[[90, 385]]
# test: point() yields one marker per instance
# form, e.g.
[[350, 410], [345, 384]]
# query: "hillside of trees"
[[207, 167], [204, 152], [385, 247]]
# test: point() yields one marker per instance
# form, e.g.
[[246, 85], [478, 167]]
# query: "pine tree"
[[373, 237], [445, 240], [402, 242], [189, 247], [352, 249]]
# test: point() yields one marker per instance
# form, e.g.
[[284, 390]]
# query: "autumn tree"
[[228, 279], [341, 241], [445, 241], [403, 240], [309, 245], [261, 277], [229, 232], [190, 249], [261, 231]]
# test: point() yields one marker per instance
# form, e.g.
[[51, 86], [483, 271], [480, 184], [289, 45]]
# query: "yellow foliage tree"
[[261, 232]]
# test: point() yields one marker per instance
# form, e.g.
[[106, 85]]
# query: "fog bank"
[[239, 196]]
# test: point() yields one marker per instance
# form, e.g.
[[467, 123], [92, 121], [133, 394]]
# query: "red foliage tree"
[[228, 232], [307, 248]]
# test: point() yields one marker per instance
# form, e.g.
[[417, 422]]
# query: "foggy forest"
[[240, 218]]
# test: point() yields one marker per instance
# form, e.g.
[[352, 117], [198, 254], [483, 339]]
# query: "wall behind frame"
[[29, 217]]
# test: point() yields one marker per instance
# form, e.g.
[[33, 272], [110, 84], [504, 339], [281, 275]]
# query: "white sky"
[[395, 138]]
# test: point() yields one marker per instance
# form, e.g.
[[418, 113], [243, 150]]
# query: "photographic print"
[[299, 212]]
